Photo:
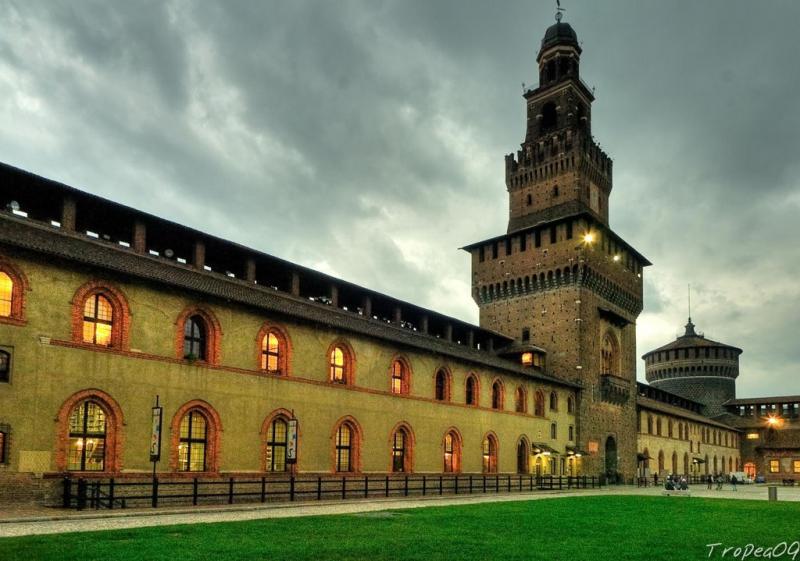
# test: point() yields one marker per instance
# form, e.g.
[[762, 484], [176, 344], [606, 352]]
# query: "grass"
[[576, 528]]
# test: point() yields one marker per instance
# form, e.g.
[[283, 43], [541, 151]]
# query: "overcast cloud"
[[366, 138]]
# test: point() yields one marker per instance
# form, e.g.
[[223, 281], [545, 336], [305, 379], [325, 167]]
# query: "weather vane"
[[559, 11]]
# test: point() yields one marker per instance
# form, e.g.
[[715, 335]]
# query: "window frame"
[[84, 434], [190, 441], [5, 365], [451, 456], [472, 385], [489, 454], [272, 445], [441, 392], [200, 340]]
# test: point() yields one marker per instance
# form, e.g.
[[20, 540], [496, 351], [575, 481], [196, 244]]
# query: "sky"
[[367, 138]]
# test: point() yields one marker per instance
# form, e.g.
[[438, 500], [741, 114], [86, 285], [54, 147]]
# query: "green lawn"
[[575, 528]]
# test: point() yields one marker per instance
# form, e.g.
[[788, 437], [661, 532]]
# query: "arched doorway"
[[611, 458]]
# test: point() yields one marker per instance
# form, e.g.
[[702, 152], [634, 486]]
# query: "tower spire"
[[690, 332]]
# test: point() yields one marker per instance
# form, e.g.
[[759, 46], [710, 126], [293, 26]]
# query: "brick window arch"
[[275, 441], [609, 355], [400, 376], [489, 453], [538, 403], [198, 335], [441, 384], [401, 443], [472, 390], [273, 350], [347, 438], [451, 451], [89, 433], [195, 438], [341, 363], [521, 400], [13, 288], [498, 394], [101, 315]]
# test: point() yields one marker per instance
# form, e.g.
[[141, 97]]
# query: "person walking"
[[720, 480], [710, 481], [733, 482]]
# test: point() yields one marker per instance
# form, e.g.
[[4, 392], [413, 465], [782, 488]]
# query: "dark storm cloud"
[[367, 138]]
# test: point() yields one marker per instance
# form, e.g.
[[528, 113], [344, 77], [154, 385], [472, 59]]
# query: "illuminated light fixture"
[[588, 237], [616, 258], [773, 421]]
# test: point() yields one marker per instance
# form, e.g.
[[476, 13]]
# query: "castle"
[[262, 366]]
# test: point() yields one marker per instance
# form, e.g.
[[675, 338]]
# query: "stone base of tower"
[[608, 436]]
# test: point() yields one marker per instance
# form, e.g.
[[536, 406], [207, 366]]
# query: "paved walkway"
[[57, 521]]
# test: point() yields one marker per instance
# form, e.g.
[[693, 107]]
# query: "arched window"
[[471, 397], [98, 320], [277, 444], [609, 355], [660, 461], [523, 456], [341, 363], [346, 447], [497, 395], [553, 401], [538, 404], [273, 351], [649, 424], [442, 383], [400, 377], [520, 400], [452, 452], [193, 442], [87, 437], [571, 436], [195, 338], [674, 462], [553, 431], [490, 454], [570, 404], [658, 426], [6, 295], [402, 444]]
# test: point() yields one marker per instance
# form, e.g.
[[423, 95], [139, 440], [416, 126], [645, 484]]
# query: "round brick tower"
[[695, 368]]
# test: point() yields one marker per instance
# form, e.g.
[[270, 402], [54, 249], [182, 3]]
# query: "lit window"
[[271, 353], [277, 435], [98, 319], [337, 366], [796, 466], [774, 466], [399, 446], [527, 359], [6, 294], [344, 448], [399, 378], [489, 455], [194, 339], [193, 442], [87, 437], [452, 453], [752, 436]]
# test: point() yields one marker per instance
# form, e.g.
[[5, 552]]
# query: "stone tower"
[[695, 368], [560, 278]]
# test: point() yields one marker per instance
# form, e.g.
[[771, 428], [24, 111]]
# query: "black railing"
[[122, 493], [660, 481]]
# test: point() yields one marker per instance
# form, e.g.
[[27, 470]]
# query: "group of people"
[[675, 483], [719, 480]]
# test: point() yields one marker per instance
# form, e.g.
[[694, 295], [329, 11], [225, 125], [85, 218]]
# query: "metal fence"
[[155, 492]]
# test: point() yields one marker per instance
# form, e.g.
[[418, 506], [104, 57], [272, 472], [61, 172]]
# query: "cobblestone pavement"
[[53, 521]]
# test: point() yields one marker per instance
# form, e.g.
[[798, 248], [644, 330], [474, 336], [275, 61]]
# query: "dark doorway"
[[611, 459]]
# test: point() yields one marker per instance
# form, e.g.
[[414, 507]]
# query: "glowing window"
[[87, 438], [774, 466], [399, 384], [271, 353], [527, 359], [193, 442], [489, 455], [276, 445], [399, 444], [752, 436], [6, 294], [451, 453], [337, 366], [796, 466], [98, 319]]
